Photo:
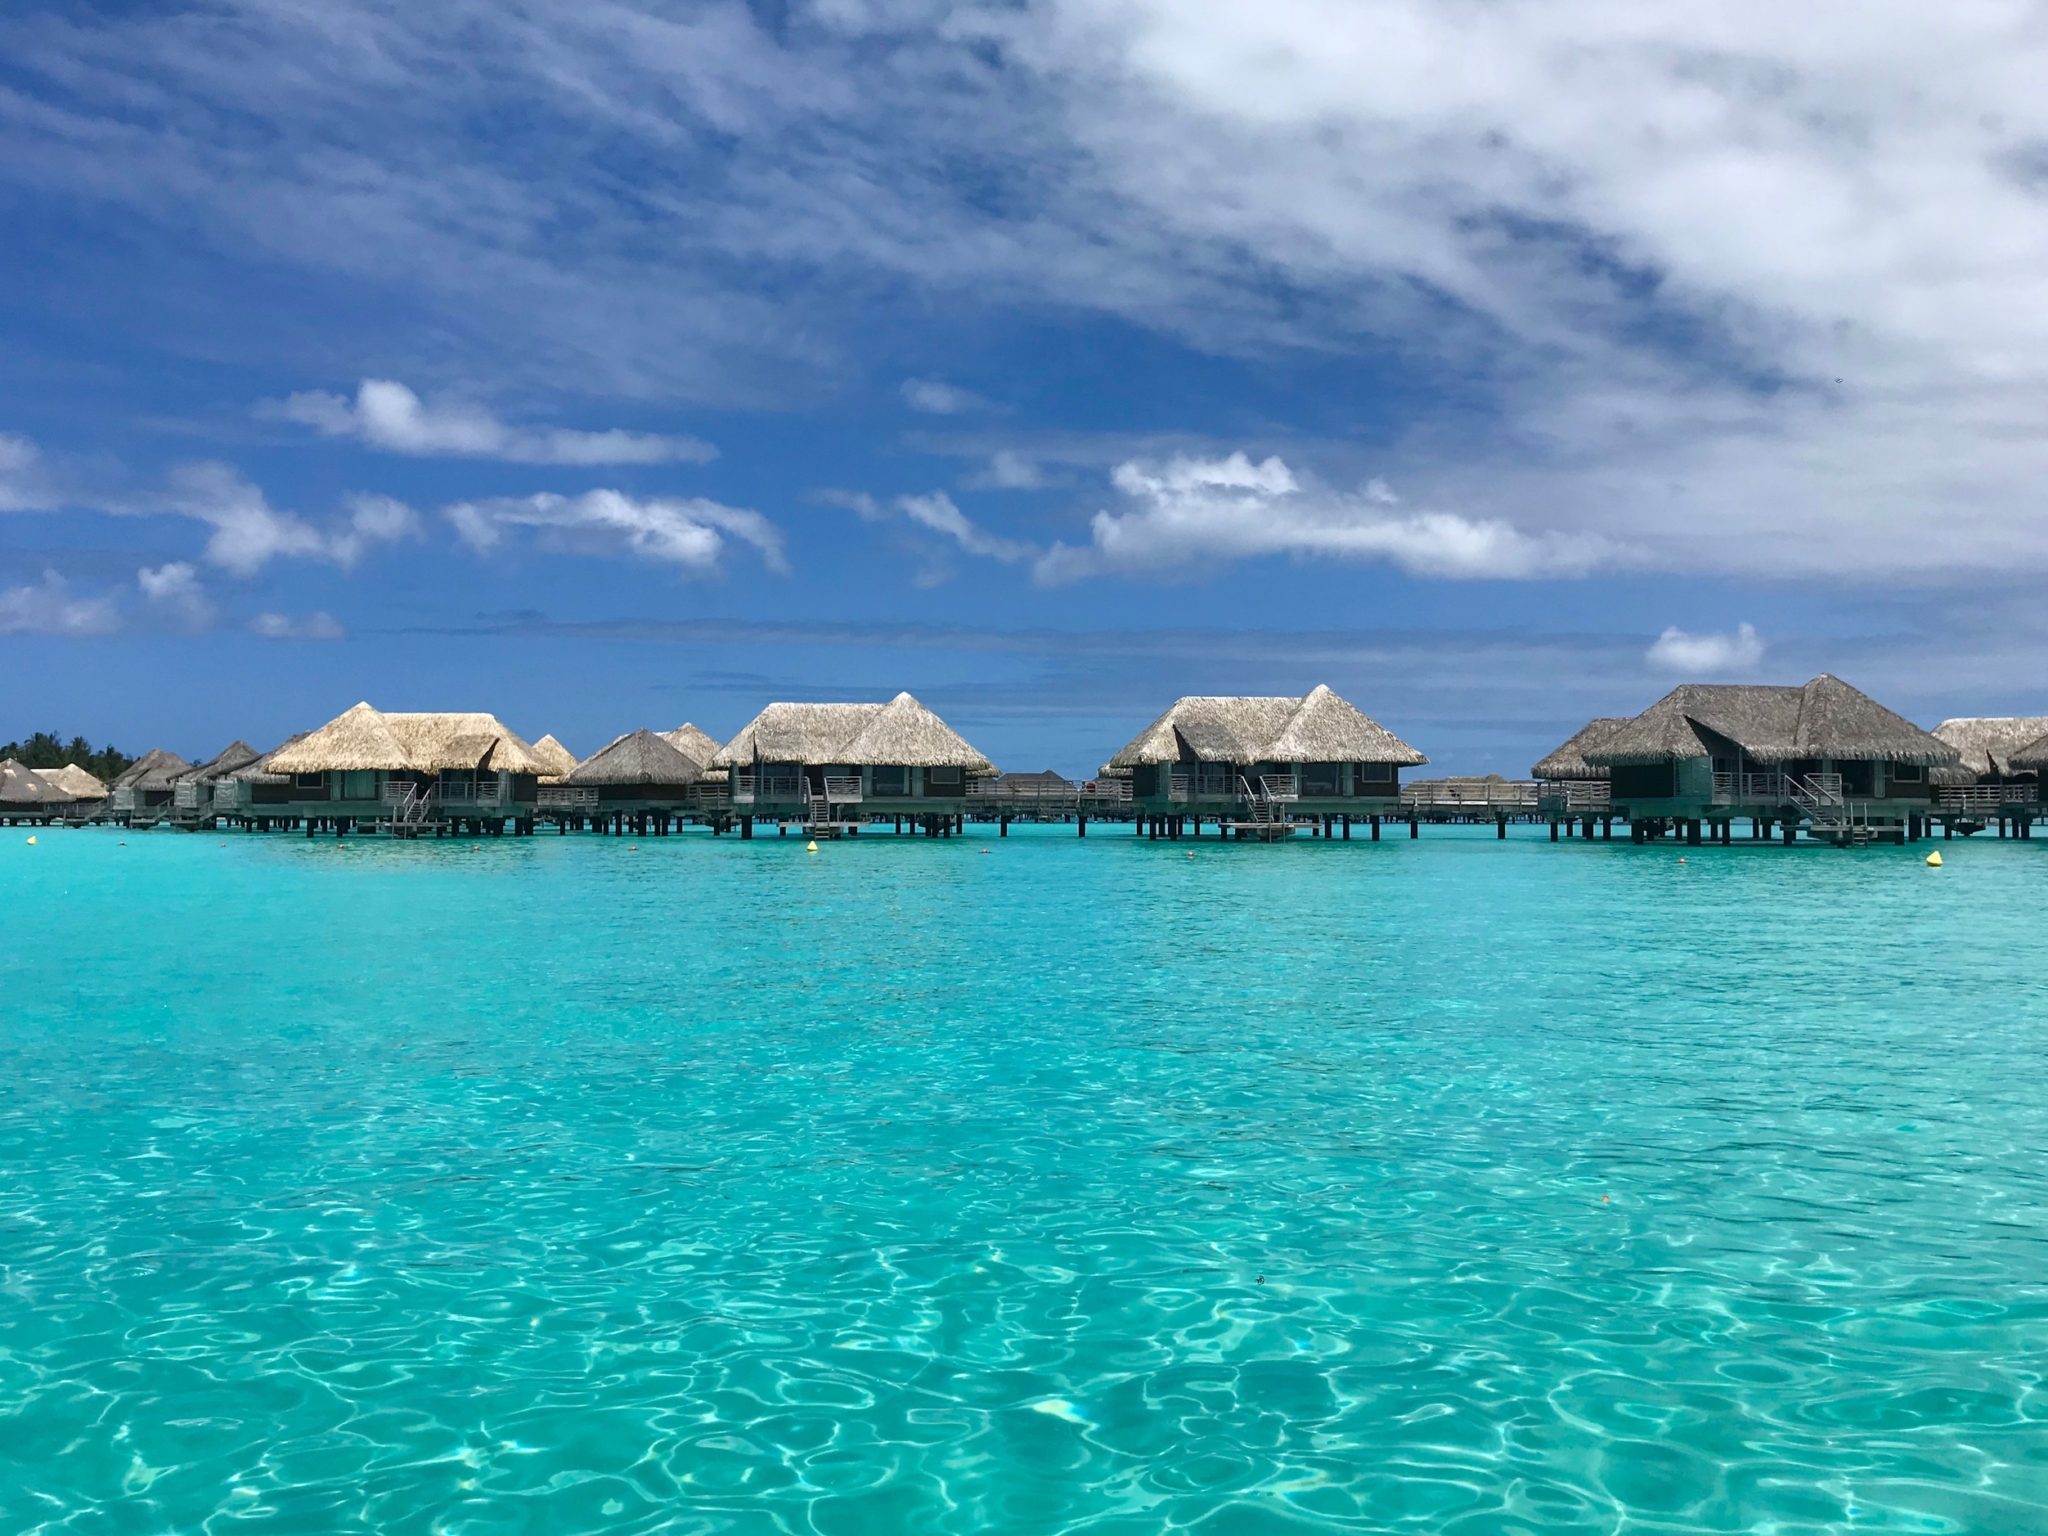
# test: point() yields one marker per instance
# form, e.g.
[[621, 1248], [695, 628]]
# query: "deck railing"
[[563, 797], [471, 792], [1754, 788], [1985, 797], [1568, 795], [749, 788], [186, 797], [1509, 795]]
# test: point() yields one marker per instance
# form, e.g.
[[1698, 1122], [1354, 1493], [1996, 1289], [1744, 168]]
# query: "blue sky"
[[626, 363]]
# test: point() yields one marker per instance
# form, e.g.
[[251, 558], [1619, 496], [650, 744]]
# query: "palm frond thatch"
[[640, 758], [899, 734], [1319, 727], [75, 782], [364, 738], [23, 788], [1985, 744], [1826, 718], [1569, 760], [694, 744], [154, 770]]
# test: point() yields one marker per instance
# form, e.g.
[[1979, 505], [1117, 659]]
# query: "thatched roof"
[[901, 733], [152, 771], [557, 761], [1569, 760], [235, 755], [639, 757], [74, 781], [2032, 758], [364, 738], [1319, 727], [1825, 718], [692, 743], [259, 772], [20, 787], [1985, 743]]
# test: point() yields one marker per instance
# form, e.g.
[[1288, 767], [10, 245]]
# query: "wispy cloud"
[[249, 533], [1675, 280], [387, 415], [691, 533], [50, 607], [312, 626], [1009, 470], [22, 487], [1733, 653], [935, 397], [1188, 511]]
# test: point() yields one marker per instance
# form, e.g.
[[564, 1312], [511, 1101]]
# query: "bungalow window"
[[890, 781], [940, 778], [1908, 773], [309, 781], [1371, 776], [1318, 778]]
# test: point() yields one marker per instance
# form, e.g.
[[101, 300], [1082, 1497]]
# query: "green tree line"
[[46, 750]]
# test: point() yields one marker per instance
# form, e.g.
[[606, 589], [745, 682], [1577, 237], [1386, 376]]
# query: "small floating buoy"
[[31, 840], [1933, 859], [810, 847]]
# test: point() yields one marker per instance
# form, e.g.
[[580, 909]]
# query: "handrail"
[[1575, 794], [558, 795], [1506, 795], [1985, 797]]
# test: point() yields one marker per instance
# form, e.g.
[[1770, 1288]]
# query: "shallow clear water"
[[562, 1185]]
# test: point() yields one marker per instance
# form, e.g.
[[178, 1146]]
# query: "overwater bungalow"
[[1826, 757], [412, 771], [257, 797], [1257, 764], [1571, 791], [141, 796], [836, 767], [88, 794], [192, 790], [637, 783], [1985, 783], [557, 761], [25, 795], [694, 744]]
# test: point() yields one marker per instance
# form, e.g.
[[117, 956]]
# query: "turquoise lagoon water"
[[563, 1185]]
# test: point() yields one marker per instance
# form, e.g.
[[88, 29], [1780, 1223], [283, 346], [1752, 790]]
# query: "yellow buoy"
[[31, 840], [810, 847], [1933, 859]]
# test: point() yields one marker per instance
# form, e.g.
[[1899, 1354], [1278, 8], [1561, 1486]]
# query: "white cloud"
[[50, 608], [372, 520], [1728, 654], [175, 591], [313, 626], [22, 488], [937, 513], [692, 533], [1188, 511], [385, 414], [935, 397], [1744, 286], [1009, 470], [248, 532]]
